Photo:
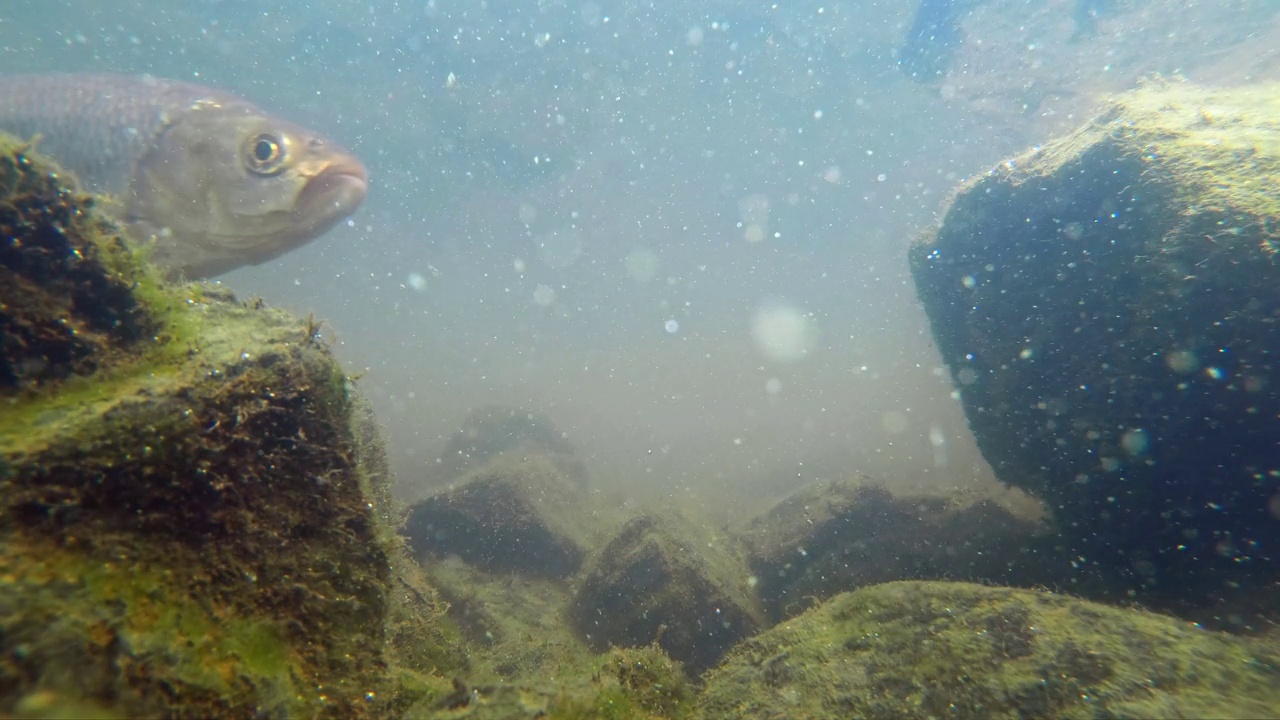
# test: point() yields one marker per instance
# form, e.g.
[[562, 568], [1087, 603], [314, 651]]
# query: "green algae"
[[845, 534], [185, 525], [652, 681], [138, 628], [512, 625], [1148, 237], [249, 629], [928, 649], [1216, 150], [525, 661], [65, 244], [79, 401], [1219, 147], [668, 580], [517, 514], [195, 518], [624, 684]]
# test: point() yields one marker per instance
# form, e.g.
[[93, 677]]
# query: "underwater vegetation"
[[185, 526], [671, 582], [957, 650]]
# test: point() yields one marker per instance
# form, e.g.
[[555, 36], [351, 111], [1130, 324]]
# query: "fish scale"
[[97, 126]]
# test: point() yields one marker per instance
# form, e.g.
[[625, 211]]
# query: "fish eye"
[[265, 154]]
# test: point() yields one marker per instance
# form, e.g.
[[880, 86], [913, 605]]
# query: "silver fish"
[[213, 181]]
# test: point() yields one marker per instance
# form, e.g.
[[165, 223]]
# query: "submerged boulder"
[[187, 522], [843, 535], [1108, 307], [495, 431], [67, 305], [664, 580], [513, 515], [957, 650]]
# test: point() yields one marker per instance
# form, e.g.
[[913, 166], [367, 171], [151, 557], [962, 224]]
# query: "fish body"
[[212, 180], [933, 39]]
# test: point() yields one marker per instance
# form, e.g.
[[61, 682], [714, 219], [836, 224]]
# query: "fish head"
[[228, 185]]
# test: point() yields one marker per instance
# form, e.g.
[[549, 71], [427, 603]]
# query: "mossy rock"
[[526, 662], [1107, 306], [494, 431], [513, 625], [957, 650], [667, 581], [68, 302], [623, 684], [424, 647], [186, 526], [653, 681], [514, 514], [839, 536]]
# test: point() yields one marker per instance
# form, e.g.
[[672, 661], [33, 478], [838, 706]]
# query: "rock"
[[195, 517], [1107, 306], [840, 536], [419, 638], [186, 526], [67, 303], [664, 580], [957, 650], [527, 663], [494, 431], [654, 682], [513, 624], [517, 515], [626, 684]]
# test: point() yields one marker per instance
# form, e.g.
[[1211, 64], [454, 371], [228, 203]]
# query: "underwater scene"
[[579, 359]]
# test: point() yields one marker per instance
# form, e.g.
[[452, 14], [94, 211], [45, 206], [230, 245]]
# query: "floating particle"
[[544, 295]]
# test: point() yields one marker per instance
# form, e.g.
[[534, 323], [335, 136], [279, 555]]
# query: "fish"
[[206, 178], [933, 39]]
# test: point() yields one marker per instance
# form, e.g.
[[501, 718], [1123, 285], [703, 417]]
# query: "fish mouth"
[[332, 194]]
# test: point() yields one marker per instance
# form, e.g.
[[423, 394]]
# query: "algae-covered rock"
[[839, 536], [525, 662], [957, 650], [186, 529], [423, 647], [623, 684], [1107, 305], [493, 431], [513, 624], [664, 580], [517, 514], [651, 679], [65, 305]]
